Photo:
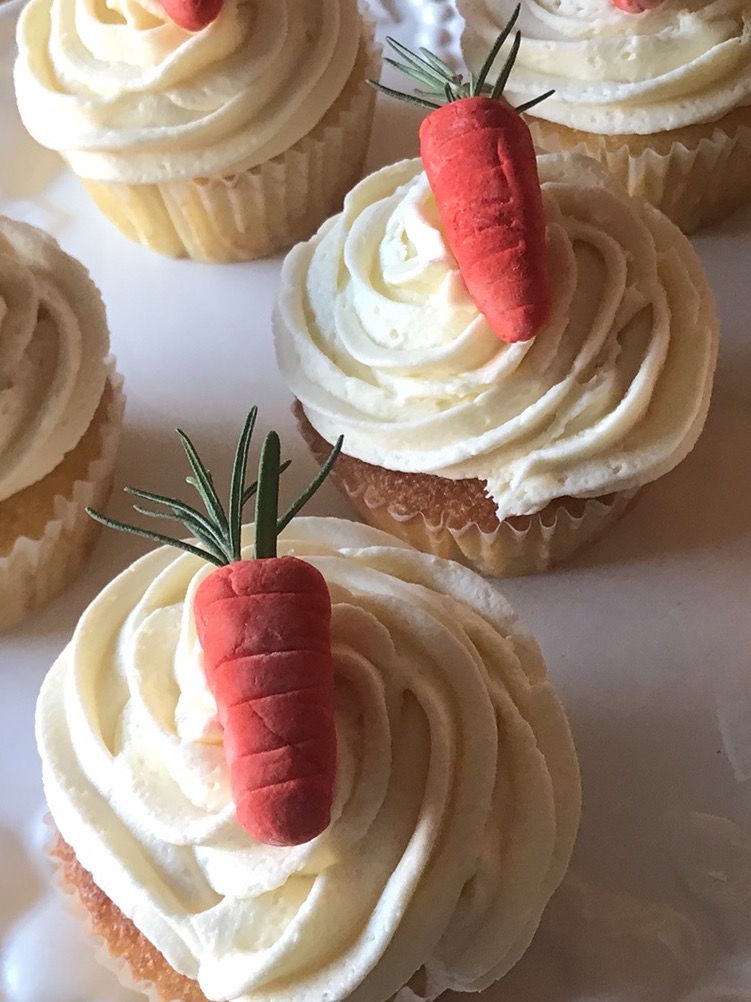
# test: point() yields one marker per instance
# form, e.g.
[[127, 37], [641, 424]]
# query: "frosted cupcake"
[[444, 811], [224, 140], [60, 416], [508, 356], [662, 97]]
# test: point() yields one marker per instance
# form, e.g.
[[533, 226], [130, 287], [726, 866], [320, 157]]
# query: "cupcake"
[[61, 410], [661, 96], [222, 131], [398, 817], [510, 347]]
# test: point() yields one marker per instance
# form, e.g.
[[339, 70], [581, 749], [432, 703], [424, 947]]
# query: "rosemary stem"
[[267, 498]]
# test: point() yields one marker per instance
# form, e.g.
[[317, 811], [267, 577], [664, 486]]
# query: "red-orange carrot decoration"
[[636, 6], [481, 165], [480, 161], [192, 15], [264, 626]]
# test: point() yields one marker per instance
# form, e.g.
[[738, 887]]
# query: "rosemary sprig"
[[218, 531], [310, 490], [409, 98], [491, 57], [440, 84], [237, 483], [502, 78], [267, 498], [204, 484]]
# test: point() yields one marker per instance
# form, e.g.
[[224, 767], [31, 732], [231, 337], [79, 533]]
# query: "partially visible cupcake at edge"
[[662, 96], [184, 736], [61, 409], [228, 142], [506, 446]]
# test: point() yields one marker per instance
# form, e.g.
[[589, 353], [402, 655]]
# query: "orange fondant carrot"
[[193, 15], [481, 165], [636, 6], [264, 626], [480, 161]]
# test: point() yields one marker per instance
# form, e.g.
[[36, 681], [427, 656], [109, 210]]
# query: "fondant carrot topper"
[[192, 15], [264, 626], [480, 161], [636, 6]]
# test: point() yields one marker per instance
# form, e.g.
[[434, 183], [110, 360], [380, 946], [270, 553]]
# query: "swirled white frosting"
[[686, 61], [378, 338], [126, 95], [53, 354], [457, 791]]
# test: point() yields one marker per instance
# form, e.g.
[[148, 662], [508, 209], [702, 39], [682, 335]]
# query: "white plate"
[[647, 635]]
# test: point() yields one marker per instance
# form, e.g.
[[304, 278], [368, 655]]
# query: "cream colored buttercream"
[[457, 791], [127, 96], [685, 62], [53, 354], [377, 337]]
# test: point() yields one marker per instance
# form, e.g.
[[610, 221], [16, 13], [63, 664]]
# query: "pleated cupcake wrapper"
[[525, 544], [692, 184], [35, 570], [100, 948], [418, 989], [264, 209], [522, 544]]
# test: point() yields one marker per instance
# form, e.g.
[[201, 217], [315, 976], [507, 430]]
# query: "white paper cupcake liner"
[[264, 209], [526, 544], [693, 183], [522, 544], [100, 948], [35, 570]]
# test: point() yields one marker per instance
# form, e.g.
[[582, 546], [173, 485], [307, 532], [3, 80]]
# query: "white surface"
[[648, 634]]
